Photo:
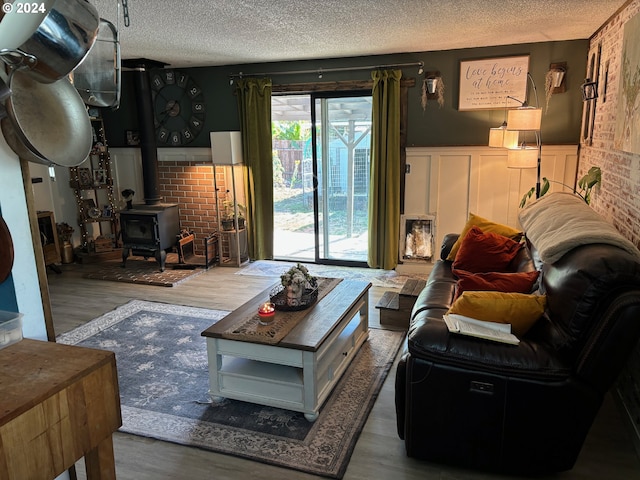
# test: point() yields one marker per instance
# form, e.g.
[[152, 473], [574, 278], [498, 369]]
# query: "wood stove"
[[149, 231]]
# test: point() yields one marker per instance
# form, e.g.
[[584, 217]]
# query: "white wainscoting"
[[451, 182]]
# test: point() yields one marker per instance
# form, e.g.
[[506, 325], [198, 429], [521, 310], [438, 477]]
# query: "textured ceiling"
[[227, 32]]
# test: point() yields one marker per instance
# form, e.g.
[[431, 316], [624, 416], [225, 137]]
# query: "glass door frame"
[[316, 201]]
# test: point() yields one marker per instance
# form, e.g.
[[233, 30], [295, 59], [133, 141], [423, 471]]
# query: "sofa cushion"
[[516, 282], [519, 309], [486, 226], [485, 252]]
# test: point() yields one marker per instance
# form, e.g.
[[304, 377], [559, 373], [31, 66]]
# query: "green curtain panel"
[[384, 200], [254, 105]]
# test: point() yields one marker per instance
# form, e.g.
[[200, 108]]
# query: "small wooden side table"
[[58, 403]]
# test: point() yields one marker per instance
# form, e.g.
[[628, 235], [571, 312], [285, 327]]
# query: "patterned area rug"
[[145, 272], [163, 377], [377, 277]]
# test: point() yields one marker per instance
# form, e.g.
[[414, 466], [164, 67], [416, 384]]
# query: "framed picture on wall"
[[627, 112], [100, 177], [132, 137], [488, 83], [84, 177]]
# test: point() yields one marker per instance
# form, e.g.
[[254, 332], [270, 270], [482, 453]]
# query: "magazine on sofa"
[[497, 332]]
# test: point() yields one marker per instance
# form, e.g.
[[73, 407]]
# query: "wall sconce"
[[554, 80], [589, 89], [431, 82], [556, 76], [432, 88]]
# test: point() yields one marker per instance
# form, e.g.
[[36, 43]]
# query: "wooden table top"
[[33, 370], [320, 320]]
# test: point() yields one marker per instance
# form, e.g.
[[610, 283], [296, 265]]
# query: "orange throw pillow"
[[486, 226], [485, 252], [517, 282]]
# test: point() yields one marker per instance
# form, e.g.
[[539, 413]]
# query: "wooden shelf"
[[92, 184]]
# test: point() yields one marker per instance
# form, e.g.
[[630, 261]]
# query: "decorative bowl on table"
[[281, 297]]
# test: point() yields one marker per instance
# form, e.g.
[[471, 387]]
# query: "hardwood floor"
[[379, 454]]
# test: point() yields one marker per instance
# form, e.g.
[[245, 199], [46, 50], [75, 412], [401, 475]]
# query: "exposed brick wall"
[[191, 186], [619, 197]]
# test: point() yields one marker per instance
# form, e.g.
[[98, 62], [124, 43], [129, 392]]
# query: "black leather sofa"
[[522, 409]]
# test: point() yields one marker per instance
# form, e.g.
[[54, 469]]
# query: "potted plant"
[[591, 179], [229, 215], [65, 231]]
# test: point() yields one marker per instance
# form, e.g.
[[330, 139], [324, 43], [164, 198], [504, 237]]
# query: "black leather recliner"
[[522, 409]]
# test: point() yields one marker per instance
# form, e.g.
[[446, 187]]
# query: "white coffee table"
[[299, 372]]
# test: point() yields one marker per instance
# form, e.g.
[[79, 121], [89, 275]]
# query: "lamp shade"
[[501, 137], [525, 118], [226, 148], [522, 157]]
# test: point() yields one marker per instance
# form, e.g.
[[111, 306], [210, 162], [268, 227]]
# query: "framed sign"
[[485, 84]]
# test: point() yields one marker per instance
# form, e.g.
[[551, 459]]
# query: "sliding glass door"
[[321, 177], [341, 140]]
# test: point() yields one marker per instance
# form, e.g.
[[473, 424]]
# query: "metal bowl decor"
[[297, 290]]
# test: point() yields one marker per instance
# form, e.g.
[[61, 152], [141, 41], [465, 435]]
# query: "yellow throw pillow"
[[486, 226], [521, 310]]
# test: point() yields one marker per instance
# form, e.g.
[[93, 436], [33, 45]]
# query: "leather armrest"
[[447, 243], [430, 339]]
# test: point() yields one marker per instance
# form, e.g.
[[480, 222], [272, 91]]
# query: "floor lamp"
[[522, 119], [525, 119]]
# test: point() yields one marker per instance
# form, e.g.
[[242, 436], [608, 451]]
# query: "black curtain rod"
[[320, 71]]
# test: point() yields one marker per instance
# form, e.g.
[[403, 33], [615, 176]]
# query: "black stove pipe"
[[148, 146]]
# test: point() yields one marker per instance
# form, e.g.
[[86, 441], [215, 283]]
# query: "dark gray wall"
[[433, 127]]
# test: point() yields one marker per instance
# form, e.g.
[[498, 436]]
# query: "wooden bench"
[[395, 308]]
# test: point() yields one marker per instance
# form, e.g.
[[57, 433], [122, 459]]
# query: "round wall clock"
[[178, 106]]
